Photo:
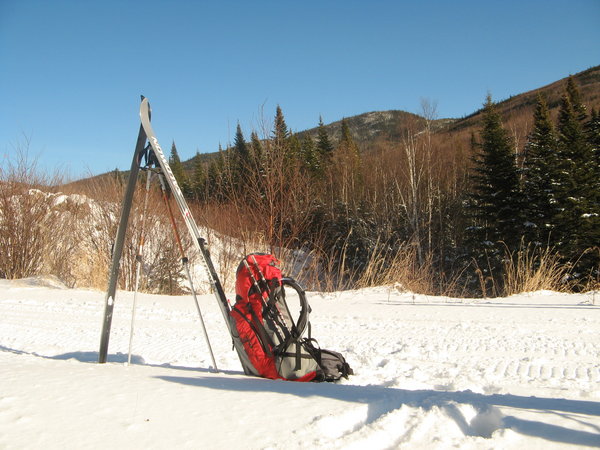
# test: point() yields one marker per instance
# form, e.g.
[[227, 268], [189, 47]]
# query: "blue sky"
[[71, 72]]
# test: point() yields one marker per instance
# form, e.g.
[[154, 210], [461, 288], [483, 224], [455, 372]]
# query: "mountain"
[[372, 126]]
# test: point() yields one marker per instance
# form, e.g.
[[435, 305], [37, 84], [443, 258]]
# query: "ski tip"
[[142, 98], [145, 107]]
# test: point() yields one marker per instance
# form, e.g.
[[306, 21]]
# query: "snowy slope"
[[431, 372]]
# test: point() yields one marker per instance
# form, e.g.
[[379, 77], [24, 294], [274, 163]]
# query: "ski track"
[[428, 374]]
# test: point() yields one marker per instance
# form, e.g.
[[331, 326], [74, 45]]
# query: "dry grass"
[[43, 232], [533, 269], [398, 268], [402, 269], [29, 219]]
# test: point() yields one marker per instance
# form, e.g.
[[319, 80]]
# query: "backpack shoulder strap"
[[302, 321]]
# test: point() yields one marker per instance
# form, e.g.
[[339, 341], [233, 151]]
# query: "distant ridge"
[[510, 109]]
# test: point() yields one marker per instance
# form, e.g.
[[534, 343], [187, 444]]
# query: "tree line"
[[421, 209]]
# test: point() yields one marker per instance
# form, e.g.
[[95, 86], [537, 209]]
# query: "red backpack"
[[272, 339]]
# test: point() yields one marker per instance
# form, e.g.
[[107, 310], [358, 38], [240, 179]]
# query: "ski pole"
[[185, 262], [278, 317], [262, 276], [268, 289], [265, 283], [264, 294], [138, 264], [254, 280]]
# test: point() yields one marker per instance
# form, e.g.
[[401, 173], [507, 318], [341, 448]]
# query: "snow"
[[431, 372]]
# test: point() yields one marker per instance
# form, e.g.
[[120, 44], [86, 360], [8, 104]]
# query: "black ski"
[[118, 245]]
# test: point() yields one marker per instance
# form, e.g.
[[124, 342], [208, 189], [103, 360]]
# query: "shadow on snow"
[[382, 400], [118, 358]]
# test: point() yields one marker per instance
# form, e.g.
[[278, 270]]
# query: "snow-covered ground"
[[519, 372]]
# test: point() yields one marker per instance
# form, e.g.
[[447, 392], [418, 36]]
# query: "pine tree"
[[348, 165], [574, 95], [541, 177], [294, 153], [240, 158], [310, 159], [213, 180], [495, 201], [240, 147], [279, 146], [285, 146], [324, 145], [256, 153], [280, 129], [224, 163], [178, 171], [593, 137], [592, 129], [199, 179], [217, 177], [348, 145], [577, 192]]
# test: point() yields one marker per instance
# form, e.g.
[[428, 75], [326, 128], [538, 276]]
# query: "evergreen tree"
[[593, 135], [347, 143], [541, 177], [279, 146], [178, 171], [240, 158], [256, 153], [324, 146], [495, 200], [294, 153], [199, 179], [212, 180], [577, 191], [348, 163], [310, 159], [240, 147], [224, 163], [217, 177], [280, 129], [284, 146], [576, 100]]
